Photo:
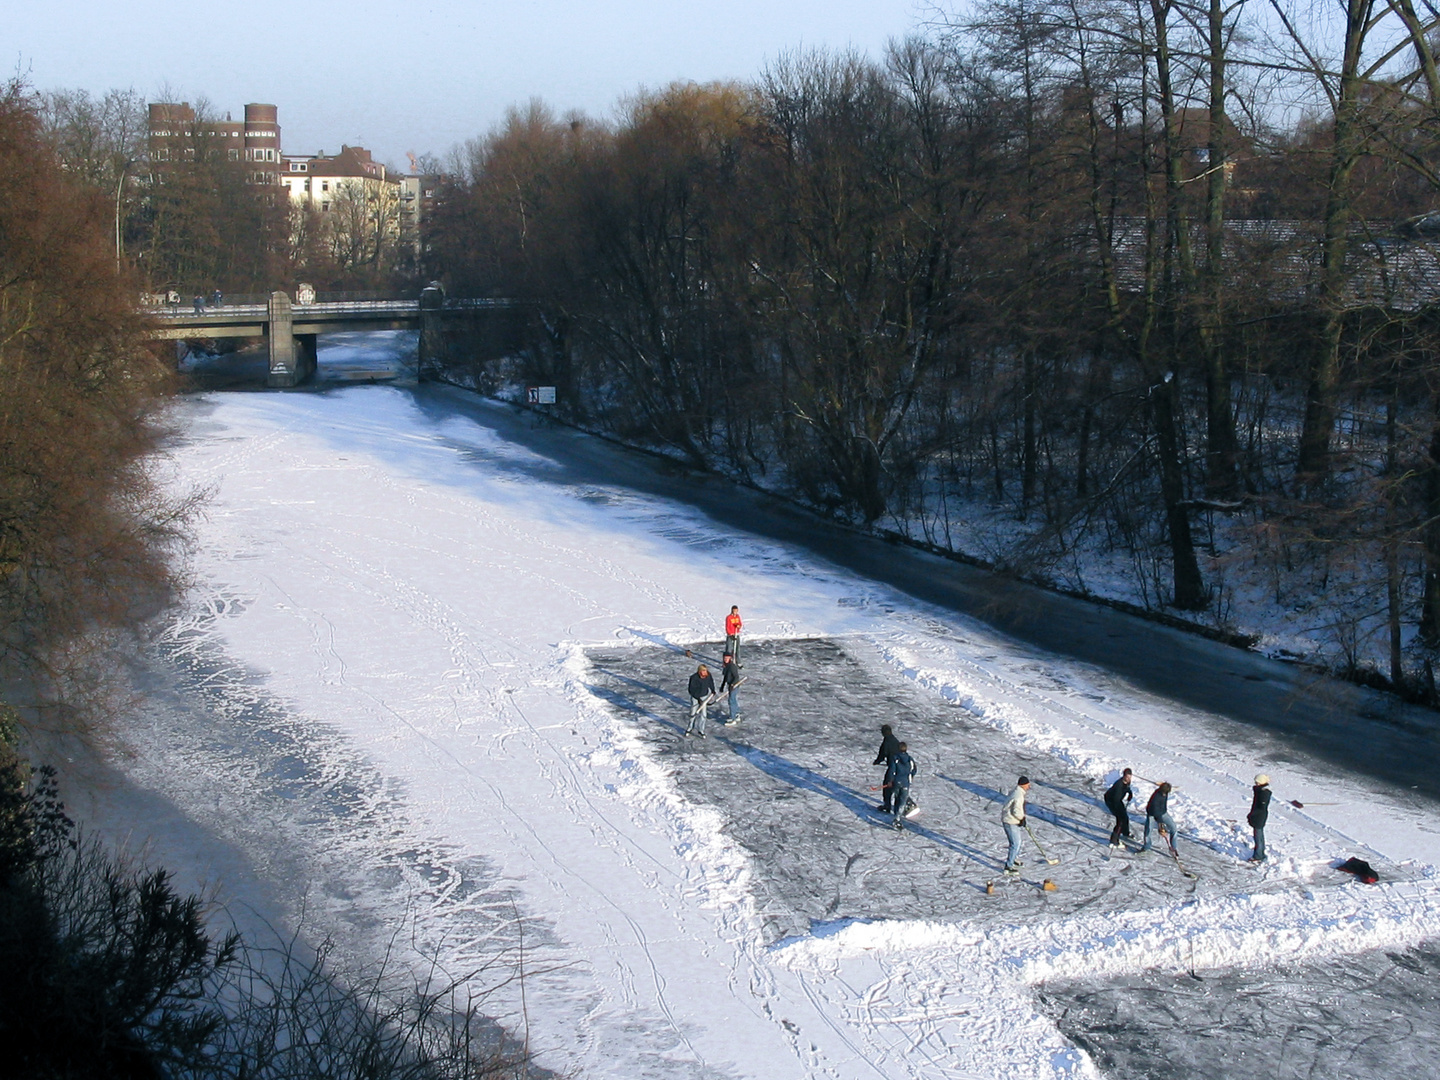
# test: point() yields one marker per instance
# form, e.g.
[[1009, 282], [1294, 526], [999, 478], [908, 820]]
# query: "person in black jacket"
[[729, 680], [889, 747], [702, 693], [1259, 814], [897, 782], [1157, 812], [1116, 797]]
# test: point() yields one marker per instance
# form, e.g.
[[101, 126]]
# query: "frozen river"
[[423, 697]]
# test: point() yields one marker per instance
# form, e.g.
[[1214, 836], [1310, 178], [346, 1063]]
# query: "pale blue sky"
[[426, 75]]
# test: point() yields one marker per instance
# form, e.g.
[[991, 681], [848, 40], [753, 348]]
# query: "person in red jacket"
[[732, 633]]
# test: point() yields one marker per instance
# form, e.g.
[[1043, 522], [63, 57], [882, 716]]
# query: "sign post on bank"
[[540, 395]]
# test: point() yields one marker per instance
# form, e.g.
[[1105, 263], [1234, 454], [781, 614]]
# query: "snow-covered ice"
[[420, 687], [1366, 1015]]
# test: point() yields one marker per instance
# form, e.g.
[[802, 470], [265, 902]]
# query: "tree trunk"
[[1028, 463], [1430, 614], [1190, 594], [1313, 461], [1221, 474], [1392, 548]]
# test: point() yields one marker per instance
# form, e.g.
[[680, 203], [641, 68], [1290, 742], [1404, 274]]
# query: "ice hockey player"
[[897, 784], [1012, 817], [729, 680], [1157, 813], [889, 747], [732, 633], [1115, 799], [702, 693], [1259, 814]]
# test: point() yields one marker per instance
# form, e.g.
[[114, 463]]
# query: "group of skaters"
[[900, 771], [1157, 813], [702, 684]]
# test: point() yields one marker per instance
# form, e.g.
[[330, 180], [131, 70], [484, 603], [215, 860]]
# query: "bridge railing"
[[325, 304]]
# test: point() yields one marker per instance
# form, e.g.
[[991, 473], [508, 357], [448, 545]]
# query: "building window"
[[234, 154], [325, 206], [324, 185]]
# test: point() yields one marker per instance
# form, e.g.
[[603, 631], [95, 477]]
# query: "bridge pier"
[[293, 357], [280, 330], [432, 340], [307, 356]]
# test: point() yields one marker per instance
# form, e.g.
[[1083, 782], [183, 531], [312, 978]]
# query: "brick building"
[[177, 134]]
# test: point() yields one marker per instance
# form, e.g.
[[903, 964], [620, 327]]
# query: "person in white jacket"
[[1013, 819]]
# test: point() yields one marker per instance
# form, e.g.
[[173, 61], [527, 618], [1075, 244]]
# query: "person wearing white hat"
[[1259, 814]]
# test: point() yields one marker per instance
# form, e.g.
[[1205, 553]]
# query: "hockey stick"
[[1301, 806], [1175, 854], [1047, 858], [1181, 866]]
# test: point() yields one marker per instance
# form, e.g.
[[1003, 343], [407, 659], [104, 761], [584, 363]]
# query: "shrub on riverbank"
[[111, 972]]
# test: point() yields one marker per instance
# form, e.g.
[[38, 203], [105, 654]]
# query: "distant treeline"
[[1147, 277]]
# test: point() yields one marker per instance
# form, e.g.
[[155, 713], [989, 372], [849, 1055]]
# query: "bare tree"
[[84, 529]]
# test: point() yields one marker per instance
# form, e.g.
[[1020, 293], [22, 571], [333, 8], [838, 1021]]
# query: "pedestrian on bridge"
[[199, 304]]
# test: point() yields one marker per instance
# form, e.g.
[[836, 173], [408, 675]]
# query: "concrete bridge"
[[291, 328]]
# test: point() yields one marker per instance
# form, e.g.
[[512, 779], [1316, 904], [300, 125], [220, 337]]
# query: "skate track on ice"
[[406, 583]]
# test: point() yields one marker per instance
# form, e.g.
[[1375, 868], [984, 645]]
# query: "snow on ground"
[[396, 701]]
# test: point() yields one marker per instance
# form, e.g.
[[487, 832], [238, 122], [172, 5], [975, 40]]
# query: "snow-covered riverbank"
[[407, 603]]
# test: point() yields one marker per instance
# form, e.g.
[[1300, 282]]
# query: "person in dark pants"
[[889, 747], [1259, 814], [1115, 799], [702, 693], [732, 632], [897, 782], [729, 680], [1157, 812], [733, 626]]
